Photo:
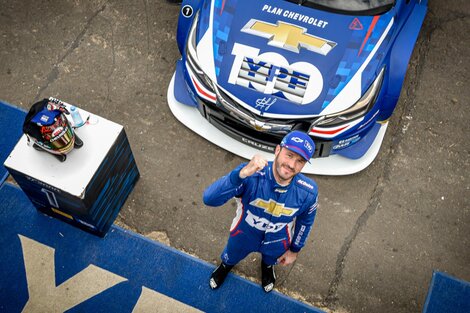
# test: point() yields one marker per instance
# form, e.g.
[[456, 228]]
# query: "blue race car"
[[251, 71]]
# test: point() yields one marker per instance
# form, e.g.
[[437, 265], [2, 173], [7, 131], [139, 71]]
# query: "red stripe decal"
[[297, 150], [202, 92], [241, 217], [222, 8], [235, 233], [369, 31], [328, 132]]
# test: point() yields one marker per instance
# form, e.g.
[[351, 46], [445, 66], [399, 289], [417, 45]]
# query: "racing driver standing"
[[276, 208]]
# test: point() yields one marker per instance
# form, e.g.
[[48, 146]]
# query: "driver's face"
[[286, 165]]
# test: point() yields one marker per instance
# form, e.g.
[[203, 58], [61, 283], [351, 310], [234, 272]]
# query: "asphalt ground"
[[378, 235]]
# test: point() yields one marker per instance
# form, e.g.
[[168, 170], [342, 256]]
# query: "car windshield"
[[351, 6]]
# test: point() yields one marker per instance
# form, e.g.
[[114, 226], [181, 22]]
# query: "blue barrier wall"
[[43, 257], [447, 294], [11, 127]]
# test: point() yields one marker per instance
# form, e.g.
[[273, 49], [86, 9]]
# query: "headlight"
[[191, 54], [192, 58], [359, 109]]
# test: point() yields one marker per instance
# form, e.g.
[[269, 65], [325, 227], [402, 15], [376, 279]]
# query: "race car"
[[252, 71]]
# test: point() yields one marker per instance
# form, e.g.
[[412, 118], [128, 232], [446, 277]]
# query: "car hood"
[[285, 60]]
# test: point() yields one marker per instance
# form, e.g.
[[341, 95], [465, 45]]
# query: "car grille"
[[262, 140], [241, 124], [280, 127]]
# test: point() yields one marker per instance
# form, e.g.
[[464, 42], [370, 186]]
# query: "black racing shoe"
[[219, 274], [268, 277]]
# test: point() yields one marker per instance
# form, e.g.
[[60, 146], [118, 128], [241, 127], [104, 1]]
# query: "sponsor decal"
[[288, 36], [280, 190], [44, 118], [300, 82], [294, 16], [256, 144], [263, 224], [274, 208], [299, 236], [297, 139], [304, 183], [35, 181], [346, 142], [308, 146], [57, 131]]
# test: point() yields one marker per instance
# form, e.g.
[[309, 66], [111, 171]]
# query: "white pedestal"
[[90, 187]]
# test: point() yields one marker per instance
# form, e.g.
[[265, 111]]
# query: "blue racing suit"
[[267, 214]]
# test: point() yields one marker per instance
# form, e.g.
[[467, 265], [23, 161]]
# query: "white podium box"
[[89, 188]]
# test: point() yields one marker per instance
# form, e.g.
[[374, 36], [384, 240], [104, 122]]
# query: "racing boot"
[[219, 274], [268, 277]]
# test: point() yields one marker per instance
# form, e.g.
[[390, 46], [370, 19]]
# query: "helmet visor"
[[59, 136]]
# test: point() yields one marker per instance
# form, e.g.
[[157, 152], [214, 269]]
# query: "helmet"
[[48, 128]]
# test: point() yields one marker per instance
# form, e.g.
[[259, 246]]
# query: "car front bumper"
[[332, 165]]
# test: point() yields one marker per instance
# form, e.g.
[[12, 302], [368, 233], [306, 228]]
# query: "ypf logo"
[[278, 71], [308, 146]]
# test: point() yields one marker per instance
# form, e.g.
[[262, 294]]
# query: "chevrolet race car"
[[251, 71]]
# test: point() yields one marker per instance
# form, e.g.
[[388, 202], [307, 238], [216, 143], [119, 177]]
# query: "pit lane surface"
[[379, 233]]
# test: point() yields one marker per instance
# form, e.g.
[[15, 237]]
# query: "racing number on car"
[[187, 11]]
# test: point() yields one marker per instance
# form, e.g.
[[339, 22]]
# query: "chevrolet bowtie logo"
[[288, 36], [273, 208], [259, 126]]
